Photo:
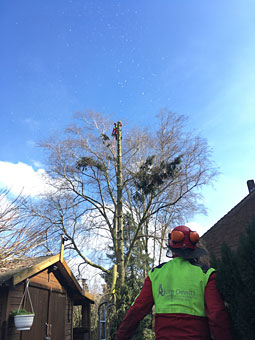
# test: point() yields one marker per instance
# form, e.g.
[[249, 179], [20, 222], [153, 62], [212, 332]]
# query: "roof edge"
[[22, 275], [230, 211], [46, 263]]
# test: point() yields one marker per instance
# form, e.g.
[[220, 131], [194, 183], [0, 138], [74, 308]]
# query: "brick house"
[[230, 226]]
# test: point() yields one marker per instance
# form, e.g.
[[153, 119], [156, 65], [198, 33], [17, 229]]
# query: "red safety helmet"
[[182, 241]]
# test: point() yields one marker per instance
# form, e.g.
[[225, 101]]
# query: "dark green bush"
[[236, 282]]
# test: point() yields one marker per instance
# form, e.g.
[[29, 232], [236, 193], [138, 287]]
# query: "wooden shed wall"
[[14, 297], [4, 312], [51, 304]]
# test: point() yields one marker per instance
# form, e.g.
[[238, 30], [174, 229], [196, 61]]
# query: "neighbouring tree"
[[229, 283], [246, 265], [162, 174], [17, 235], [235, 281]]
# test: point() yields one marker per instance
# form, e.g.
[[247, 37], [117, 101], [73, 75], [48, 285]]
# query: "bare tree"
[[17, 234], [163, 172]]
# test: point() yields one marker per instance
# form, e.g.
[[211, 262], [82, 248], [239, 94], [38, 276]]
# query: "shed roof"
[[18, 270]]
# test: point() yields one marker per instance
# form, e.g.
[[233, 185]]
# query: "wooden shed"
[[54, 292]]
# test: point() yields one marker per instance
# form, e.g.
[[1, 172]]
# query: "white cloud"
[[37, 164], [20, 177]]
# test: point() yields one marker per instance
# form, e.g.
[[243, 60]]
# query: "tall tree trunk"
[[147, 264], [120, 258]]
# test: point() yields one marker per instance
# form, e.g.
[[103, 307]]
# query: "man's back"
[[187, 302]]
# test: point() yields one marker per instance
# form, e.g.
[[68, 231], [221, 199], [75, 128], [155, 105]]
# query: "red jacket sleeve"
[[216, 312], [136, 312]]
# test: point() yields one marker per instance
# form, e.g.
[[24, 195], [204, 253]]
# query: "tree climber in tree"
[[115, 129]]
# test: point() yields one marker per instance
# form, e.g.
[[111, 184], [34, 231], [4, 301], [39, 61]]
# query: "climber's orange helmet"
[[183, 242]]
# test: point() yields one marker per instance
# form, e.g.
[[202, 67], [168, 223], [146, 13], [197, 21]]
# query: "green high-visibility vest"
[[178, 287]]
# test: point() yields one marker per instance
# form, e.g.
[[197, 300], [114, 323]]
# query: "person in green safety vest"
[[187, 302]]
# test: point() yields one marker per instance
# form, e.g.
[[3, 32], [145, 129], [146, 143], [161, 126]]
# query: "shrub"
[[236, 282]]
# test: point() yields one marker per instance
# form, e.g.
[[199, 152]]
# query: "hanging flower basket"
[[23, 319], [23, 322]]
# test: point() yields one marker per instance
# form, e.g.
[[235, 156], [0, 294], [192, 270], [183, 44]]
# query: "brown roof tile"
[[9, 268]]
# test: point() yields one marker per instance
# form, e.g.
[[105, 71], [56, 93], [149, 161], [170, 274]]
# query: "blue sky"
[[129, 59]]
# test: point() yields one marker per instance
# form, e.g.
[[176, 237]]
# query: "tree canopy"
[[162, 174]]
